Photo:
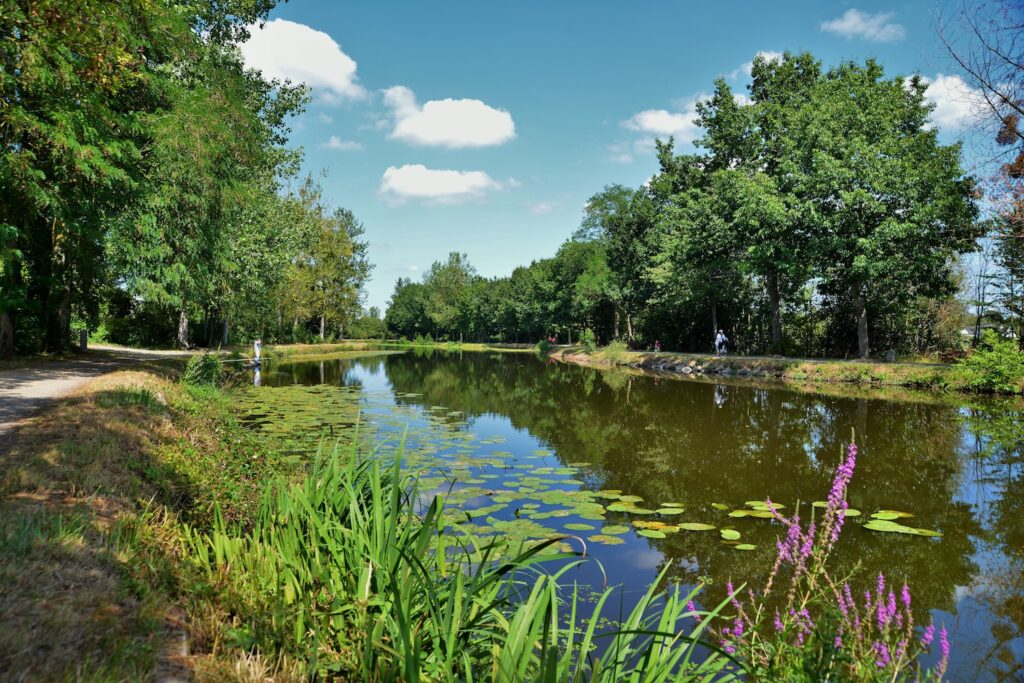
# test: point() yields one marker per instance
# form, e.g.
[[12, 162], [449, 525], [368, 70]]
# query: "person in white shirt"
[[256, 348]]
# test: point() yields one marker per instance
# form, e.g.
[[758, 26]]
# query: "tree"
[[447, 286], [893, 204], [406, 315]]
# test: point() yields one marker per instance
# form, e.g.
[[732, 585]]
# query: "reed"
[[349, 573]]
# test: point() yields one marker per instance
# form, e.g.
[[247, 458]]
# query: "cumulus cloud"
[[339, 145], [857, 24], [540, 208], [745, 68], [416, 181], [324, 118], [681, 124], [447, 123], [955, 101], [287, 50]]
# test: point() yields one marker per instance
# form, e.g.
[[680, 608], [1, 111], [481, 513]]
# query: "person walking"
[[257, 347], [721, 343]]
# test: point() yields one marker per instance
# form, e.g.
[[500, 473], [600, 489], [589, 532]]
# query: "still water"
[[535, 446]]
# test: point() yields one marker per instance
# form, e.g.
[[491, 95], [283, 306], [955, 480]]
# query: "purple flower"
[[929, 635], [732, 595], [693, 608], [880, 591], [778, 622], [944, 644], [884, 658], [905, 596], [737, 628], [839, 643]]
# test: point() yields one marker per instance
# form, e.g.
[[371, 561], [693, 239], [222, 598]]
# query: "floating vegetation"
[[695, 526], [760, 514], [744, 546], [578, 526], [606, 539], [651, 533], [730, 534], [720, 506], [614, 529], [669, 511], [888, 526], [890, 514]]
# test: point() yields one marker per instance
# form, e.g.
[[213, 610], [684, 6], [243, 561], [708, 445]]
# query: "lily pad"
[[650, 533], [695, 526], [888, 515], [577, 526], [614, 529], [630, 499], [610, 494], [720, 506], [672, 505], [762, 505], [605, 539], [897, 528], [730, 534], [642, 511], [669, 511], [744, 546]]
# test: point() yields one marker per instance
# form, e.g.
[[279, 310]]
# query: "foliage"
[[997, 365], [615, 351], [203, 369], [406, 598], [821, 217], [588, 340]]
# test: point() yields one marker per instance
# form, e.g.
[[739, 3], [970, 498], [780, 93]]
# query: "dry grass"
[[91, 492]]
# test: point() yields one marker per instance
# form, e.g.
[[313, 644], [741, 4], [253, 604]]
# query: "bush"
[[589, 340], [202, 370], [615, 351], [543, 347], [996, 366]]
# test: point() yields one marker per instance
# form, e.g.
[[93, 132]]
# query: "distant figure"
[[719, 395], [657, 345], [257, 347], [721, 343], [552, 339], [256, 381]]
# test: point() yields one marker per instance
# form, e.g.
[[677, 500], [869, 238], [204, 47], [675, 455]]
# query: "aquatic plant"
[[805, 624], [202, 369], [349, 573]]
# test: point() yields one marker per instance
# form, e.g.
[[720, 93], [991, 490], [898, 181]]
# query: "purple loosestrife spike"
[[929, 635], [732, 596], [884, 658], [883, 616], [839, 643], [881, 586], [805, 550], [890, 608], [905, 596], [693, 608], [737, 628], [944, 645], [778, 622]]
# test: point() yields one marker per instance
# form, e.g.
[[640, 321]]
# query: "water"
[[530, 442]]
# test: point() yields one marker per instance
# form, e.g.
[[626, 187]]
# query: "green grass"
[[344, 574]]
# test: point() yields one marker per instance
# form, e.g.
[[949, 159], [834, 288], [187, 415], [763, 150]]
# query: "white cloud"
[[413, 269], [448, 122], [661, 122], [745, 68], [340, 145], [540, 208], [416, 181], [324, 118], [620, 152], [287, 50], [857, 24], [955, 101]]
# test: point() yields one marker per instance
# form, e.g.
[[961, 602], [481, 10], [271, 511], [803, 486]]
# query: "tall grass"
[[347, 572]]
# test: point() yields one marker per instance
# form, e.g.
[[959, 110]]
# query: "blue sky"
[[483, 127]]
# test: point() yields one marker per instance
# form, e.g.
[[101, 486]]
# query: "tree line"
[[820, 215], [148, 191]]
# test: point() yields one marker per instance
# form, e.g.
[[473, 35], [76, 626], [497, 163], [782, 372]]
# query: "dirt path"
[[25, 390]]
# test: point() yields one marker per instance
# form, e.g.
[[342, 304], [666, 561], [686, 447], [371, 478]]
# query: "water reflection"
[[958, 470]]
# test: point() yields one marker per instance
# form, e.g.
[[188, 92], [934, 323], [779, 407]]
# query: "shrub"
[[997, 365], [615, 351], [589, 340], [202, 369], [543, 347]]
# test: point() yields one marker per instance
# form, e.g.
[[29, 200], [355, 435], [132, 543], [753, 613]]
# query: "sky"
[[484, 127]]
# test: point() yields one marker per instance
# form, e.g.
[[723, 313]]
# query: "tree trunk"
[[714, 320], [863, 347], [773, 302], [6, 336], [183, 329], [616, 331], [224, 333], [629, 327], [323, 326], [341, 331]]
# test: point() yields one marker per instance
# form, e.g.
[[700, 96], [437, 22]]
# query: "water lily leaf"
[[614, 529], [695, 526], [651, 533], [739, 513], [620, 507], [577, 526], [852, 512], [642, 524], [642, 511], [720, 506], [890, 514], [669, 511], [744, 546], [630, 499], [672, 505], [606, 539], [762, 505], [730, 534], [592, 516], [610, 494], [820, 503], [897, 528]]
